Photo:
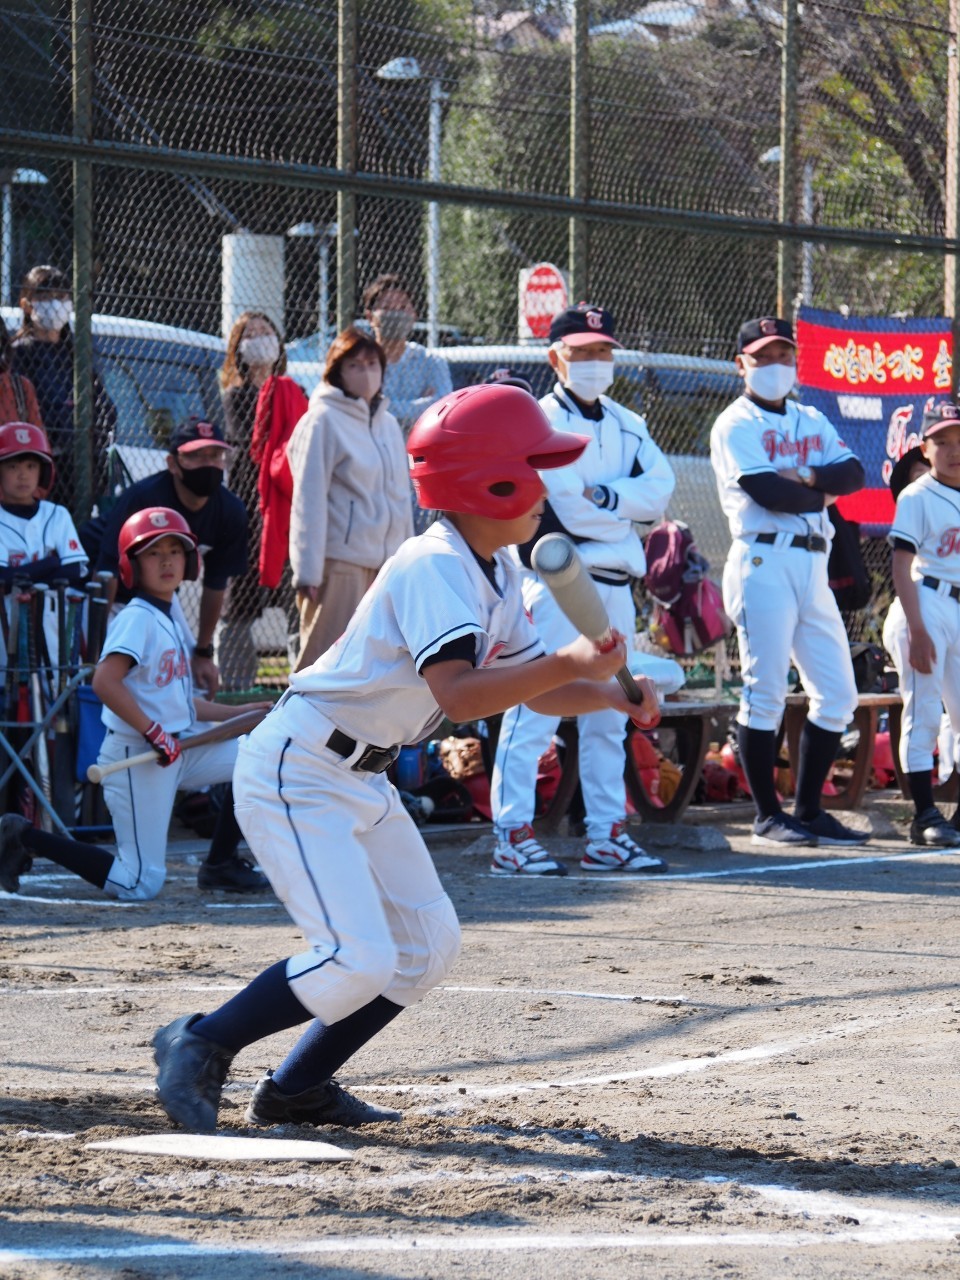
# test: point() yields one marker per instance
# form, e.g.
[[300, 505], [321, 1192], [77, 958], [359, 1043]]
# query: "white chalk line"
[[113, 902], [814, 864], [60, 990]]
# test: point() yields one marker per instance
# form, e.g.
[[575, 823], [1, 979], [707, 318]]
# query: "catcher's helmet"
[[19, 438], [478, 450], [143, 529]]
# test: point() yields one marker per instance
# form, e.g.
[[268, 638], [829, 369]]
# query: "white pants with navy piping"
[[347, 861], [924, 696], [525, 735]]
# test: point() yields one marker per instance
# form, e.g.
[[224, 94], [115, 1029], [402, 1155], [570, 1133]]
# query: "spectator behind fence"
[[351, 491], [413, 379], [192, 486], [779, 466], [43, 352], [255, 355], [18, 399]]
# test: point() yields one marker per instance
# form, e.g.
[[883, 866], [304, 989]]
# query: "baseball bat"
[[555, 559], [37, 645], [62, 780], [231, 728]]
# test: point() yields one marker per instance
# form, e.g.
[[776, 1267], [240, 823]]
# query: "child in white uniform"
[[442, 631]]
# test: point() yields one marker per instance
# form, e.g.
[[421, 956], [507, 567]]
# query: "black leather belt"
[[808, 542], [370, 760], [934, 583]]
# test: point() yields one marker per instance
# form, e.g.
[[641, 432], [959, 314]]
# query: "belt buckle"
[[375, 759]]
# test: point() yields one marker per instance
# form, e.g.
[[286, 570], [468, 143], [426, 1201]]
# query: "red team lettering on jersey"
[[172, 665], [776, 446]]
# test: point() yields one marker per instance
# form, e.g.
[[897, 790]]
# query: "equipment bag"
[[688, 608]]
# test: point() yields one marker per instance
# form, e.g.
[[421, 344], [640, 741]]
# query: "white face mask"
[[52, 313], [771, 382], [264, 349], [588, 379], [363, 383]]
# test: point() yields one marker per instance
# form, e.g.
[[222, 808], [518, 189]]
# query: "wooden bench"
[[865, 720], [692, 721]]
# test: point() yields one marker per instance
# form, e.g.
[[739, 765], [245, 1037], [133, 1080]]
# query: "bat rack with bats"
[[220, 732]]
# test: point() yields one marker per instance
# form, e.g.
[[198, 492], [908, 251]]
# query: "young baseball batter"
[[922, 628], [143, 680], [38, 541], [442, 631], [779, 465]]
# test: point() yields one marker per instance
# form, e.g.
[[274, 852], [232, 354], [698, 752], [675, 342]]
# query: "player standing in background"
[[779, 465], [442, 632], [143, 680], [38, 540], [922, 629], [619, 479]]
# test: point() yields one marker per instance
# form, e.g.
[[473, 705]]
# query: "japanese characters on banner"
[[872, 378]]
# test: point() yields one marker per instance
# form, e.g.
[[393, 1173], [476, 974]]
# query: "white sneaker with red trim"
[[619, 853], [520, 854]]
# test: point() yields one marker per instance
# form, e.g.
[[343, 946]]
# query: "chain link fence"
[[682, 162]]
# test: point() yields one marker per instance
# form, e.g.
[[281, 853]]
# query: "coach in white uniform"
[[621, 478], [779, 465]]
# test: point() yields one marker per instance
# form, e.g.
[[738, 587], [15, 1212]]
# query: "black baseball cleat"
[[929, 828], [15, 860], [190, 1074], [234, 876], [325, 1104]]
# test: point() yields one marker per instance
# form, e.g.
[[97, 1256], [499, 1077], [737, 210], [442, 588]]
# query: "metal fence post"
[[579, 148], [346, 161], [83, 412], [951, 274], [786, 252]]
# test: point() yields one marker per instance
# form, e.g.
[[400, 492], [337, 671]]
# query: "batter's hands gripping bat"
[[556, 561], [225, 729]]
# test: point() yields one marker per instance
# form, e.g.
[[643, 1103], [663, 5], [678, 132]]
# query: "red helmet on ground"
[[478, 450], [19, 438], [143, 529]]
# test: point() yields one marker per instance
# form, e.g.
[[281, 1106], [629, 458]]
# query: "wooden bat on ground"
[[220, 732], [556, 561]]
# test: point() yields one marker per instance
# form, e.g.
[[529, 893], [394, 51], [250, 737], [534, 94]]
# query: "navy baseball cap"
[[580, 325], [937, 416], [755, 334], [900, 475], [195, 434], [507, 378]]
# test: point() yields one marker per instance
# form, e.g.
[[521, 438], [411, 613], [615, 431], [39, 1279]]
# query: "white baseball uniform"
[[622, 457], [22, 542], [338, 846], [778, 593], [140, 799], [928, 518]]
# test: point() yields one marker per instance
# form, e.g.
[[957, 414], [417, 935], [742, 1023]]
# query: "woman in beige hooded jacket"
[[351, 491]]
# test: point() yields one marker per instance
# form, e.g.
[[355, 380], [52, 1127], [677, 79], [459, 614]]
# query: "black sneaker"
[[235, 876], [190, 1076], [324, 1104], [781, 831], [927, 828], [829, 830], [15, 861]]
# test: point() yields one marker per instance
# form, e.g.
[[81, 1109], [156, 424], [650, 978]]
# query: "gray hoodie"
[[351, 485]]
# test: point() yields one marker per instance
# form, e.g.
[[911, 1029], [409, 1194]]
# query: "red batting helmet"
[[19, 438], [143, 529], [478, 450]]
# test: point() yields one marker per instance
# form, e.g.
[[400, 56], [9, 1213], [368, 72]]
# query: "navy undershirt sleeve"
[[775, 493]]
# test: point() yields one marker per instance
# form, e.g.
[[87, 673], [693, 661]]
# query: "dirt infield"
[[745, 1068]]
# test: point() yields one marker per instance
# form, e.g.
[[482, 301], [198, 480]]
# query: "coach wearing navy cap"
[[192, 485], [621, 480]]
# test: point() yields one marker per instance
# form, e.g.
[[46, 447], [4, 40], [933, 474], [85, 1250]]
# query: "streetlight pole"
[[409, 69], [18, 178]]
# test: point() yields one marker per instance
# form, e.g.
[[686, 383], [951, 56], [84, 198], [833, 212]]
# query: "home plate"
[[195, 1146]]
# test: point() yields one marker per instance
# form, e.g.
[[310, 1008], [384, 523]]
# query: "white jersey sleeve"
[[50, 530], [928, 518], [160, 678]]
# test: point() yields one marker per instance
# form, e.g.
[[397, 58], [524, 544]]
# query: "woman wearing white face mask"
[[253, 389], [43, 353], [351, 491]]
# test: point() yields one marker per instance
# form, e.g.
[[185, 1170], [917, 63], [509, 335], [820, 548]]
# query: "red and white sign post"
[[543, 293]]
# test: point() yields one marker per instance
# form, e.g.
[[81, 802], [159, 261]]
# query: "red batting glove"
[[163, 743]]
